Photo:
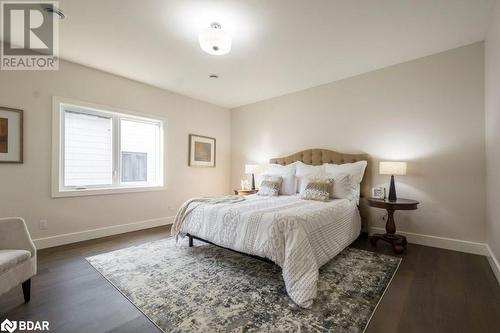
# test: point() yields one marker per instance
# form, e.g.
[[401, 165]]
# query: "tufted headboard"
[[320, 156]]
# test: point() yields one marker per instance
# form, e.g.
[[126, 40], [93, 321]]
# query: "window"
[[103, 151], [88, 149]]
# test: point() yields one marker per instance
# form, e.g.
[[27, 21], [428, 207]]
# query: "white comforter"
[[298, 235]]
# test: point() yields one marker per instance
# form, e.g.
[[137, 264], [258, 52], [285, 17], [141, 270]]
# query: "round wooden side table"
[[398, 242], [245, 192]]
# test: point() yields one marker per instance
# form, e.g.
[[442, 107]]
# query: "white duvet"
[[298, 235]]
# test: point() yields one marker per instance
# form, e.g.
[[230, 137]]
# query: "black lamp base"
[[253, 182], [392, 190]]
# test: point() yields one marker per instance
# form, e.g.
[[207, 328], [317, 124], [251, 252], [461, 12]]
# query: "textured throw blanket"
[[191, 204]]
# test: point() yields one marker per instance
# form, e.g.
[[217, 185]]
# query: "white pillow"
[[287, 173], [278, 169], [343, 186], [356, 169], [304, 171]]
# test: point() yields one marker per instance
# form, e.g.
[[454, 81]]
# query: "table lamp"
[[393, 169], [252, 169]]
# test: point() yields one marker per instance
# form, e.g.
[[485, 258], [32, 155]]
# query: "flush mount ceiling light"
[[214, 40], [56, 11]]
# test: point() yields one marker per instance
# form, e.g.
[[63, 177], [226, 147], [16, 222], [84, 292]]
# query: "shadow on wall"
[[448, 188]]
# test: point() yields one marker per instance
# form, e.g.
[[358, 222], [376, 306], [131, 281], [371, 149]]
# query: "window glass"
[[88, 150], [139, 151]]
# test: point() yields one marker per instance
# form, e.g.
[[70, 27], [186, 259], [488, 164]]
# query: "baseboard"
[[46, 242], [495, 266], [441, 242]]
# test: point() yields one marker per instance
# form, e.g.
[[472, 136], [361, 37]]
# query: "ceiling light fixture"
[[56, 11], [214, 40]]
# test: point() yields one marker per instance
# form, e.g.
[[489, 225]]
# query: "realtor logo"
[[29, 31], [8, 326]]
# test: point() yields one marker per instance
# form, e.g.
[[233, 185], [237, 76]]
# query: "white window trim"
[[57, 189]]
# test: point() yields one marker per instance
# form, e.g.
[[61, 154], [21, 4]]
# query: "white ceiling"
[[279, 46]]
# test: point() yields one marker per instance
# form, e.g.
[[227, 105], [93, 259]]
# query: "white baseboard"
[[46, 242], [441, 242], [495, 266]]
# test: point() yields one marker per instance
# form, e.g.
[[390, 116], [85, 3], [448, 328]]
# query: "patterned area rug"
[[207, 288]]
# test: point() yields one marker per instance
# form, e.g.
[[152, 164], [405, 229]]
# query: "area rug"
[[209, 289]]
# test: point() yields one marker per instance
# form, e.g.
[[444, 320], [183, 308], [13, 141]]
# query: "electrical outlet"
[[43, 224]]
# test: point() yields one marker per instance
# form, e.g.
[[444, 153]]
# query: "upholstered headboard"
[[320, 156]]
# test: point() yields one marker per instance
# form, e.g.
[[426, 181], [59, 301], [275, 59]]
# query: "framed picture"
[[11, 135], [201, 151], [378, 192]]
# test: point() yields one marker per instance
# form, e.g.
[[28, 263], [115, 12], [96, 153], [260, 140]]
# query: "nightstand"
[[245, 192], [398, 242]]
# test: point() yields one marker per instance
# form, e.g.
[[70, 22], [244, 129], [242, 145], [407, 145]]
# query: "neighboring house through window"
[[100, 150]]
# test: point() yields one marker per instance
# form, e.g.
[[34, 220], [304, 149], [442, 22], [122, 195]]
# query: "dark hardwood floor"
[[434, 290]]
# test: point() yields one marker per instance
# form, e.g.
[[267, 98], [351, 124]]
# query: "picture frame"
[[378, 192], [11, 135], [202, 151]]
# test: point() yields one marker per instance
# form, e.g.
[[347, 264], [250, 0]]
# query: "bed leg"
[[190, 240]]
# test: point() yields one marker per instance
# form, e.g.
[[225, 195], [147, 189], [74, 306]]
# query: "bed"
[[298, 235]]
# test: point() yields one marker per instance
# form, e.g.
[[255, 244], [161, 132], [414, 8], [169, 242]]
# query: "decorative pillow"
[[287, 172], [318, 189], [270, 187], [305, 171], [272, 178]]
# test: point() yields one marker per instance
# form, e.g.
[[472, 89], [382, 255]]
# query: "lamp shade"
[[392, 168], [252, 168]]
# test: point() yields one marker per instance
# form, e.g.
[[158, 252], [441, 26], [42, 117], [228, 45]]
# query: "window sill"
[[105, 191]]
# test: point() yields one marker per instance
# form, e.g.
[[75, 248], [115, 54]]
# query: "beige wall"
[[429, 112], [25, 188], [492, 110]]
